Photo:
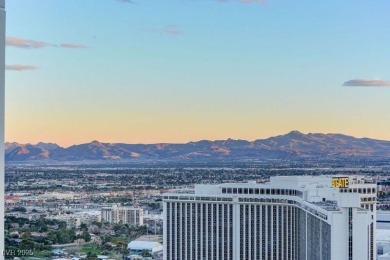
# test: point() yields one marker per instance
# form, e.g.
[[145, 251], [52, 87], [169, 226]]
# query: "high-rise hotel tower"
[[299, 217], [2, 76]]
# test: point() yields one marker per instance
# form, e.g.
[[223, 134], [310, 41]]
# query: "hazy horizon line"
[[193, 141]]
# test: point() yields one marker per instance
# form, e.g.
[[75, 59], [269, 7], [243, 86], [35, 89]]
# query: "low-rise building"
[[140, 247]]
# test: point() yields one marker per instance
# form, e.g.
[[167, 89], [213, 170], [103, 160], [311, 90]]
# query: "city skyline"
[[180, 71]]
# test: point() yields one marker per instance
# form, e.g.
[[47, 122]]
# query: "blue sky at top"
[[181, 70]]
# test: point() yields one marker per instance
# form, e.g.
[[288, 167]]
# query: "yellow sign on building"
[[340, 182]]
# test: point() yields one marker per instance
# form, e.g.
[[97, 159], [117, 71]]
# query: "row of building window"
[[285, 230], [197, 230], [192, 231], [358, 190], [185, 197], [369, 199], [285, 201], [262, 191]]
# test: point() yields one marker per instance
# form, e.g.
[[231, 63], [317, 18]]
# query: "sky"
[[155, 71]]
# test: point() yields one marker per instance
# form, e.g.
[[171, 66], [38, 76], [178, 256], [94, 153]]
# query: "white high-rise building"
[[133, 216], [298, 217], [2, 82]]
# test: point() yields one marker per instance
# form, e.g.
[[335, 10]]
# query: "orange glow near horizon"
[[171, 130]]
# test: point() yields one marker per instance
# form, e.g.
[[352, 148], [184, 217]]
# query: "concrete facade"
[[299, 217]]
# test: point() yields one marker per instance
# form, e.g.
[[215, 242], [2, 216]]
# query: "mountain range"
[[291, 145]]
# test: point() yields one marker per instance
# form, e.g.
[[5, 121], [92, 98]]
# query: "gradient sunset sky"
[[150, 71]]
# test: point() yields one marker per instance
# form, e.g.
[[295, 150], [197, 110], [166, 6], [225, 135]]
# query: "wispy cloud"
[[253, 1], [367, 83], [72, 45], [125, 1], [246, 1], [171, 30], [33, 44], [18, 67], [25, 43]]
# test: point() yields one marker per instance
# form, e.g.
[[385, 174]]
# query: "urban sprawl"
[[240, 211]]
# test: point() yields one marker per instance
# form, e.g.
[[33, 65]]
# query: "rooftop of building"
[[320, 193], [143, 245], [328, 205], [150, 238], [383, 235], [297, 183]]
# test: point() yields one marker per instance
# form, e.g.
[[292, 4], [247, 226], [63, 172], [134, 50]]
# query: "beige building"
[[133, 216]]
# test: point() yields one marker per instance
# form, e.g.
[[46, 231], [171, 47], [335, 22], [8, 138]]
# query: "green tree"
[[83, 226], [86, 236], [19, 209], [91, 256], [98, 224], [105, 238]]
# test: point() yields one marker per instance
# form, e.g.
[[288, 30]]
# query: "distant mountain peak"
[[291, 145], [47, 146], [295, 132]]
